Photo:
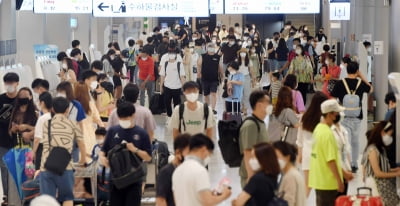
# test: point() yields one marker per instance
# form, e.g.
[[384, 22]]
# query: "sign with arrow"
[[150, 8], [63, 6]]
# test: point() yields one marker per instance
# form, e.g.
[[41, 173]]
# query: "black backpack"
[[229, 140], [182, 121], [162, 152], [126, 168]]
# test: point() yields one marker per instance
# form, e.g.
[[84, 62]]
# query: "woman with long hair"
[[376, 163], [255, 69], [330, 73], [67, 72], [304, 141], [245, 66], [23, 119], [283, 117], [92, 115], [262, 185], [281, 54], [106, 101], [298, 102]]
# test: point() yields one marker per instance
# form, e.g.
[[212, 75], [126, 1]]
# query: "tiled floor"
[[218, 169]]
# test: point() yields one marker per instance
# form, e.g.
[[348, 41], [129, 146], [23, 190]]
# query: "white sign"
[[367, 37], [150, 8], [27, 5], [272, 6], [216, 6], [378, 47], [339, 11], [62, 6]]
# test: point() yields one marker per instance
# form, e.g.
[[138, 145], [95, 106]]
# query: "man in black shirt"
[[183, 37], [83, 63], [229, 51], [11, 81], [210, 71], [164, 194], [352, 124]]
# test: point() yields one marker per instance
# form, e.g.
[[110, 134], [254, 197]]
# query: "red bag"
[[359, 199]]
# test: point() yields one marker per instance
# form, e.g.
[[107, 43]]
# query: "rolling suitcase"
[[229, 116], [359, 199]]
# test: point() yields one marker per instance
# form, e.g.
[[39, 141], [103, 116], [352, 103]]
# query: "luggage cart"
[[89, 171]]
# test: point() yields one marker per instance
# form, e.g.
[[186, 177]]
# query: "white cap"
[[44, 200], [331, 105]]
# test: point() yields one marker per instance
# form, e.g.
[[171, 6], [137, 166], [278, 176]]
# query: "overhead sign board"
[[339, 11], [62, 6], [272, 6], [150, 8], [216, 6]]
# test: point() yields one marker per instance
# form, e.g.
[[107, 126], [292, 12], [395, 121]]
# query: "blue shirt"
[[136, 135], [237, 92], [76, 113]]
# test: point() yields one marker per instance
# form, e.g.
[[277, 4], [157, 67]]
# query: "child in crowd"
[[275, 86]]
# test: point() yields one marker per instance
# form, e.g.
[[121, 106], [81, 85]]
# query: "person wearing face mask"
[[191, 182], [210, 71], [60, 58], [261, 186], [106, 60], [281, 54], [271, 51], [368, 48], [326, 175], [292, 54], [83, 63], [192, 116], [330, 74], [137, 141], [67, 71], [301, 66], [229, 52], [39, 86], [245, 66], [234, 88], [292, 183], [376, 164], [164, 194], [90, 80], [321, 35], [255, 61], [187, 61], [146, 75], [172, 76], [223, 33]]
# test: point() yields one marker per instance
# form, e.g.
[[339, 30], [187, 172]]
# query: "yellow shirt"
[[106, 99], [324, 150]]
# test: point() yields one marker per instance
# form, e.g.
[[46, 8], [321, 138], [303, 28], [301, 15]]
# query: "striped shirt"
[[275, 87]]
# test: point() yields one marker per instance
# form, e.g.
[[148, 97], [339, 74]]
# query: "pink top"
[[298, 101], [333, 73]]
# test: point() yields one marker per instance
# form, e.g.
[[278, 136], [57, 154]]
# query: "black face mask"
[[182, 159], [337, 119], [23, 101], [276, 38]]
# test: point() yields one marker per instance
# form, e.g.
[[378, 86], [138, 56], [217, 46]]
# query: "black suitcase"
[[157, 105]]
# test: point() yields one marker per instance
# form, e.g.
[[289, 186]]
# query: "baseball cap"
[[331, 105]]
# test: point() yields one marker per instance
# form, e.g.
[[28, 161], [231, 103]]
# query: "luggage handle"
[[364, 188], [233, 106]]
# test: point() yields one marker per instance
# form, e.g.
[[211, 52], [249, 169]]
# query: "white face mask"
[[211, 50], [112, 57], [61, 95], [125, 124], [192, 97], [294, 47], [93, 85], [207, 160], [326, 62], [232, 72], [231, 42], [269, 109], [171, 56], [242, 54], [245, 38], [144, 58], [387, 140], [35, 96], [254, 164], [282, 163], [191, 50], [100, 141], [64, 66], [249, 43], [342, 66], [253, 51], [298, 51], [194, 38], [10, 89]]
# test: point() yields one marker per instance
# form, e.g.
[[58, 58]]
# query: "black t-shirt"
[[339, 91], [282, 53], [230, 53], [6, 107], [261, 188], [181, 33], [272, 54], [162, 49], [209, 68], [136, 135], [164, 184]]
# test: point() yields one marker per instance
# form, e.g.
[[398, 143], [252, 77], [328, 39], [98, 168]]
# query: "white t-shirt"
[[194, 120], [344, 147], [305, 140], [245, 69], [39, 125], [188, 180], [172, 79]]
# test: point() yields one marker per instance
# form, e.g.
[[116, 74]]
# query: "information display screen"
[[272, 6], [216, 6], [62, 6], [150, 8]]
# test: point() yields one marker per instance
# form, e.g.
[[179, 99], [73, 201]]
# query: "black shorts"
[[117, 81], [209, 87]]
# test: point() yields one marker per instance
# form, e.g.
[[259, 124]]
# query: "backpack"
[[126, 167], [351, 101], [182, 121], [130, 54], [229, 132], [162, 152], [178, 65]]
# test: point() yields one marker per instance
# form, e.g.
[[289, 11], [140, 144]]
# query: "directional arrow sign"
[[101, 7]]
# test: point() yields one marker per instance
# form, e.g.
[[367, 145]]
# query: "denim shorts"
[[50, 183]]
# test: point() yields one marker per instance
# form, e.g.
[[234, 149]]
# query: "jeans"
[[52, 184], [171, 94], [135, 74], [129, 196], [4, 171], [149, 86], [353, 128], [246, 92], [280, 64], [131, 70], [326, 197]]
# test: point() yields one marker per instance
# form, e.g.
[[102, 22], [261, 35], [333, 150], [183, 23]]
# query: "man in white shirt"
[[191, 182], [192, 116], [172, 75]]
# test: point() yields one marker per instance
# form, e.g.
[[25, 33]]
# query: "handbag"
[[331, 85], [58, 158]]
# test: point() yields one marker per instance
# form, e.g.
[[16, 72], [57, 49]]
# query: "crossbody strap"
[[346, 86], [49, 134]]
